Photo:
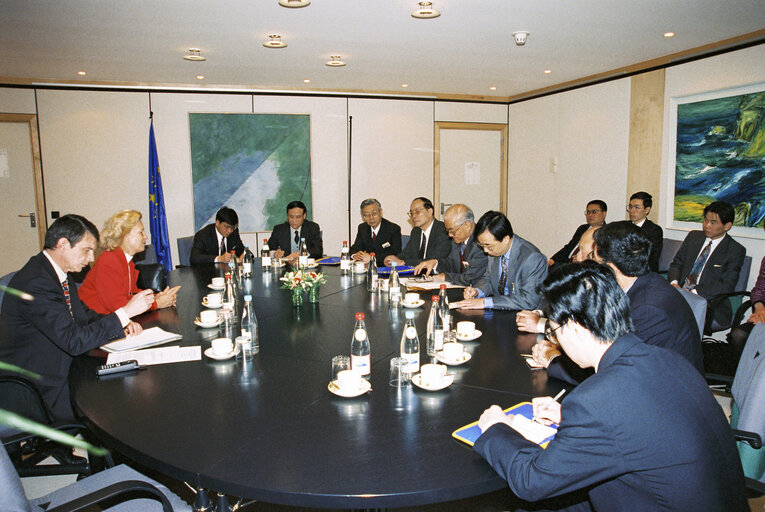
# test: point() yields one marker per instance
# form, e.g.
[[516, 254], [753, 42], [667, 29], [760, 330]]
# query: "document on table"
[[160, 355], [522, 423], [412, 283], [147, 338]]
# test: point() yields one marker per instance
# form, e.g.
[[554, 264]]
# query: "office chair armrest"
[[69, 428], [755, 485], [113, 490], [751, 438], [714, 302]]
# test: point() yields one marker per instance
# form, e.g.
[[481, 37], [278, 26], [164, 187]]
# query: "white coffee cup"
[[212, 299], [431, 374], [310, 262], [348, 380], [208, 316], [222, 346], [465, 329], [359, 266], [218, 282], [453, 351], [411, 298]]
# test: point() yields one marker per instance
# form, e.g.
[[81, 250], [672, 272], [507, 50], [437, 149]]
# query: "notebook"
[[522, 423]]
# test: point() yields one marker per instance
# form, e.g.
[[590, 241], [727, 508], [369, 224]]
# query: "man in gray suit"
[[466, 263], [515, 271]]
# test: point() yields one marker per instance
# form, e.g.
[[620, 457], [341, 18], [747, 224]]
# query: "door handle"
[[32, 221]]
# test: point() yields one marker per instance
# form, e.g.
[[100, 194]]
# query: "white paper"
[[412, 283], [147, 338], [472, 173], [531, 430], [5, 170], [161, 355]]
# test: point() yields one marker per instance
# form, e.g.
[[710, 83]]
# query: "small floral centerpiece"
[[296, 282], [315, 280]]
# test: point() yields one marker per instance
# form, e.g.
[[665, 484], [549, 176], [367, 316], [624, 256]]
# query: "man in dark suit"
[[709, 261], [644, 430], [44, 334], [638, 208], [428, 238], [466, 262], [285, 238], [214, 242], [375, 235], [514, 272], [595, 214]]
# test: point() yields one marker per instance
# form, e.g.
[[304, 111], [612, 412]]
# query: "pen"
[[560, 394]]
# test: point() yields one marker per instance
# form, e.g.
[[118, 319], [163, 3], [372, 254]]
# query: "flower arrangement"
[[296, 279], [315, 278]]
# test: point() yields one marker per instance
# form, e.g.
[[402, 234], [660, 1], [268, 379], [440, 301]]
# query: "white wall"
[[17, 101]]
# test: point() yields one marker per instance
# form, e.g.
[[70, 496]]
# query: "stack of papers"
[[158, 355], [147, 338]]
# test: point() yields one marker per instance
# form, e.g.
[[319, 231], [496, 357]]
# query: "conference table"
[[268, 428]]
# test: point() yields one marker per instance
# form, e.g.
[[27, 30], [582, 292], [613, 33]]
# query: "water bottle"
[[229, 296], [233, 269], [372, 274], [265, 255], [247, 262], [394, 288], [250, 326], [360, 358], [435, 331], [446, 314], [345, 260], [410, 345], [303, 257]]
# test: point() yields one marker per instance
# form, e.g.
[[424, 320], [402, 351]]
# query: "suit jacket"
[[280, 238], [562, 256], [720, 273], [475, 261], [111, 283], [527, 268], [758, 292], [206, 246], [656, 235], [643, 431], [42, 336], [388, 240], [439, 244]]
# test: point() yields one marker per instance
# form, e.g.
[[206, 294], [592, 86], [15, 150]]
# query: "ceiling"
[[461, 54]]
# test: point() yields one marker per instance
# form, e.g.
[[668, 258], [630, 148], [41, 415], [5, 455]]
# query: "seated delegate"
[[428, 238], [375, 235], [214, 242], [285, 237], [112, 281]]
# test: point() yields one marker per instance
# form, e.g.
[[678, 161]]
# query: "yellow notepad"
[[522, 423]]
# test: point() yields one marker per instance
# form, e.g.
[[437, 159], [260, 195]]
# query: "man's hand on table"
[[133, 328], [492, 416], [389, 259], [361, 256], [527, 321], [425, 266]]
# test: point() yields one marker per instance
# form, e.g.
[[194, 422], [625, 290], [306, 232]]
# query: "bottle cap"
[[345, 241], [393, 264], [248, 298], [371, 254], [435, 298], [443, 287], [246, 245], [265, 240], [409, 314], [302, 239], [227, 275], [359, 316]]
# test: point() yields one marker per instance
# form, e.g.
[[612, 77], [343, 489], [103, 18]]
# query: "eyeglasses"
[[592, 212], [452, 231], [416, 211], [550, 333], [370, 215], [634, 207]]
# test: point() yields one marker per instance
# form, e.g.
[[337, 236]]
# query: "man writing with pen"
[[644, 431]]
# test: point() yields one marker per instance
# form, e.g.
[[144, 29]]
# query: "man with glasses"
[[514, 272], [214, 242], [285, 237], [638, 208], [428, 238], [595, 215], [466, 263], [644, 432], [375, 235]]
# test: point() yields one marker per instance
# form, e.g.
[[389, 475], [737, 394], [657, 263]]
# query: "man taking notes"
[[214, 242], [285, 238], [428, 238]]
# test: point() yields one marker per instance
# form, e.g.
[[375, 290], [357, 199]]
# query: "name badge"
[[386, 245]]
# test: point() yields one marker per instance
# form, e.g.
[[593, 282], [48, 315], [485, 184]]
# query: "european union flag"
[[157, 217]]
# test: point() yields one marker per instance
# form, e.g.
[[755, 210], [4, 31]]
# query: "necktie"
[[374, 235], [297, 238], [503, 277], [692, 280], [65, 286], [222, 247], [462, 258], [423, 243]]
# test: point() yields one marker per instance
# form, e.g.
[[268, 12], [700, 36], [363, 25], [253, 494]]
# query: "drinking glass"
[[399, 377], [340, 363]]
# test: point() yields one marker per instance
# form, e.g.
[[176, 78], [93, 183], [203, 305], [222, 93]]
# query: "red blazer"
[[110, 283]]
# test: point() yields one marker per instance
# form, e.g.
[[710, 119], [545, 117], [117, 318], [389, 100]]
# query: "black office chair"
[[184, 250]]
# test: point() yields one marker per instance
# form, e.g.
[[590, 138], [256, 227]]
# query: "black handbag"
[[151, 275]]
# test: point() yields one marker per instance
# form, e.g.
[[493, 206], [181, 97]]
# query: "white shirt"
[[640, 224], [426, 232]]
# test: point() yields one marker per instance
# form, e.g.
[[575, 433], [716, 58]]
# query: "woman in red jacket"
[[112, 281]]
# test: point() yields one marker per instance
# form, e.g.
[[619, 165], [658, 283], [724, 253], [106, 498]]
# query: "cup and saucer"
[[221, 349], [212, 301], [218, 283], [466, 331], [453, 354], [412, 300], [359, 267], [432, 377], [311, 263], [349, 384], [207, 319]]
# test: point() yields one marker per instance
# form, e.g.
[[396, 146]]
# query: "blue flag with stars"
[[157, 217]]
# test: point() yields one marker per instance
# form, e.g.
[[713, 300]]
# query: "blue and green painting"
[[721, 157], [253, 163]]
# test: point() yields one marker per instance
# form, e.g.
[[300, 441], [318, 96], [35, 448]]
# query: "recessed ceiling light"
[[81, 73], [200, 77], [306, 81], [275, 41], [294, 3], [493, 88], [548, 71], [520, 37], [404, 85], [195, 54], [425, 11], [669, 34], [335, 61]]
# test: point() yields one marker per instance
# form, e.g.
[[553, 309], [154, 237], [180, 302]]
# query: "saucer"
[[414, 305], [216, 323], [209, 353], [476, 334], [210, 286], [357, 271], [211, 306], [446, 381], [464, 359], [312, 266], [335, 389]]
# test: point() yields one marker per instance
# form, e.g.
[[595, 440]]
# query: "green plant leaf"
[[17, 369], [22, 423]]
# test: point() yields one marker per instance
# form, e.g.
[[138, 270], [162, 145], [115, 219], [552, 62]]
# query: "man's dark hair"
[[426, 203], [643, 196], [297, 204], [723, 210], [72, 227], [587, 293], [496, 223], [601, 204], [227, 215], [625, 245]]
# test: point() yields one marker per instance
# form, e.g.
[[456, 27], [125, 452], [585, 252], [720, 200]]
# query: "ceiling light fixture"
[[200, 77], [306, 81], [275, 41], [294, 3], [81, 73], [335, 61], [195, 55], [425, 11], [493, 88], [404, 85], [520, 37], [548, 71], [669, 34]]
